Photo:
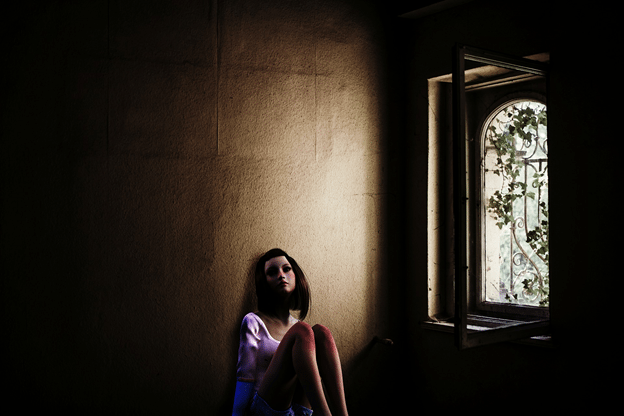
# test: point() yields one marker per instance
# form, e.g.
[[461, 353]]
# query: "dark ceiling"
[[422, 7]]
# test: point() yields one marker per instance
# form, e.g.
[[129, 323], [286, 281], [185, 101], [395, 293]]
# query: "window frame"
[[448, 311], [467, 330], [476, 326]]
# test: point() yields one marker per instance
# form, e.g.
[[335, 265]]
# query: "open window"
[[488, 197]]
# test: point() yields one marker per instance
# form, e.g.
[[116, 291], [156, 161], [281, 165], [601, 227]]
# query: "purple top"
[[255, 351]]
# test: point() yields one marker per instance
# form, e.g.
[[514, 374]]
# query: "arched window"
[[488, 259], [488, 199], [514, 205]]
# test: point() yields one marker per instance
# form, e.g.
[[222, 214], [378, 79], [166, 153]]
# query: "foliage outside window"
[[515, 195]]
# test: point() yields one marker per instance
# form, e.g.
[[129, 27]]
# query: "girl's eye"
[[287, 269], [271, 271]]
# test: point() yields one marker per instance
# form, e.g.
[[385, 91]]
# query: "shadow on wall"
[[248, 304], [372, 379]]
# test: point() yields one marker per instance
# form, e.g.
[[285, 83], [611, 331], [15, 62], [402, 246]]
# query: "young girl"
[[282, 360]]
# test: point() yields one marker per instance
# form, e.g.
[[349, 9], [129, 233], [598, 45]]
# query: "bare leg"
[[294, 360], [330, 369]]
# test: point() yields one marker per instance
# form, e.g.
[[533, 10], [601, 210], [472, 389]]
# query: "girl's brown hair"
[[300, 299]]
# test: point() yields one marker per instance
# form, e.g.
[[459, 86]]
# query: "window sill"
[[478, 323]]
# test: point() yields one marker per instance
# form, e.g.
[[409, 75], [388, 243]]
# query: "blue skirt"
[[261, 408]]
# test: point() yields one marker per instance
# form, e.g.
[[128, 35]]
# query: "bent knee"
[[302, 329], [318, 333]]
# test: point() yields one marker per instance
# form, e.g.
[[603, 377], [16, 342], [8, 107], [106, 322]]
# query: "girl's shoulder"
[[251, 316], [252, 322]]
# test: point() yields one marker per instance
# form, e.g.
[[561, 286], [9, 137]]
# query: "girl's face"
[[280, 275]]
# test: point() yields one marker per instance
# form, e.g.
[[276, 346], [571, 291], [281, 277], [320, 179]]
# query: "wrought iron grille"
[[515, 174]]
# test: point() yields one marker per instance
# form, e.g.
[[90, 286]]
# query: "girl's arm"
[[242, 396], [246, 367]]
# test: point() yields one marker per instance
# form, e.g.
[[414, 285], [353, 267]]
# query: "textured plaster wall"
[[153, 149]]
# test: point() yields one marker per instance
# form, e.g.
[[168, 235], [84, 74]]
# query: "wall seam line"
[[217, 75]]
